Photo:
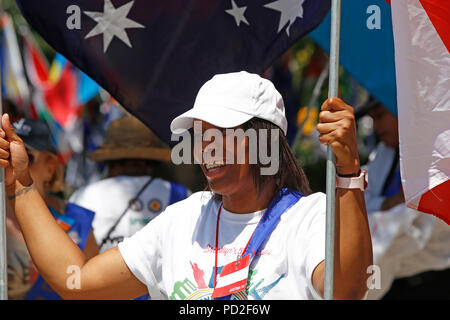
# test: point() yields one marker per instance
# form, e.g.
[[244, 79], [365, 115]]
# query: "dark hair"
[[289, 175]]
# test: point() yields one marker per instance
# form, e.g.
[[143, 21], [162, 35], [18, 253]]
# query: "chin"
[[218, 188]]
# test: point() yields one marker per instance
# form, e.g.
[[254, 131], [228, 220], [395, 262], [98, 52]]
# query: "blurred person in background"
[[130, 196], [410, 247], [24, 281]]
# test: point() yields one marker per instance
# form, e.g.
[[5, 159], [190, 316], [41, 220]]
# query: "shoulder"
[[309, 209], [314, 199], [99, 184], [182, 215], [193, 203], [95, 192], [315, 202], [176, 188], [84, 192]]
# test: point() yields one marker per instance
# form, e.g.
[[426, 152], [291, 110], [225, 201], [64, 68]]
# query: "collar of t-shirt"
[[240, 218]]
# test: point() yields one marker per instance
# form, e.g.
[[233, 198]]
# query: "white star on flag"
[[290, 11], [112, 23], [237, 13]]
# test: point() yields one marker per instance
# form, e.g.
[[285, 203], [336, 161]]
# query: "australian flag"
[[153, 56]]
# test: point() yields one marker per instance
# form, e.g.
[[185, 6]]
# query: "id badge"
[[233, 277]]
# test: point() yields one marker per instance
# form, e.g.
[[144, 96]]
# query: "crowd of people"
[[157, 239]]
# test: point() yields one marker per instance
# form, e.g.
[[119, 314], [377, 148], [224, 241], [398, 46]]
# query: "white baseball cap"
[[229, 100]]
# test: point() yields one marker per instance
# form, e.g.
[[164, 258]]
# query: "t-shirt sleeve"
[[313, 231], [141, 251], [314, 257], [148, 250]]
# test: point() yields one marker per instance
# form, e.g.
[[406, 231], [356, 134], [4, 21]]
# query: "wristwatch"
[[352, 182]]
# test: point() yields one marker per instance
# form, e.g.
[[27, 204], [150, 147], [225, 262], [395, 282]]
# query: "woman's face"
[[225, 178], [42, 168], [385, 124]]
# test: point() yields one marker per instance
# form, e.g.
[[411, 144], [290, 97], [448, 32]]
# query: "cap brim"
[[217, 116], [38, 145]]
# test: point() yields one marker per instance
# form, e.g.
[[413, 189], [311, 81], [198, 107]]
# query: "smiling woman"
[[228, 171], [257, 234]]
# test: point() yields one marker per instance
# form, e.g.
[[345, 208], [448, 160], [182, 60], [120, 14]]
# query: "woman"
[[184, 252], [48, 176]]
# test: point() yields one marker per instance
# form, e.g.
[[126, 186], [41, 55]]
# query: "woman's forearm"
[[353, 246], [52, 250], [59, 260]]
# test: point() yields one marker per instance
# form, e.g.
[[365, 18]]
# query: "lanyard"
[[284, 200], [217, 244]]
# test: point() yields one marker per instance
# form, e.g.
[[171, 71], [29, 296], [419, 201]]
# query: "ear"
[[51, 166]]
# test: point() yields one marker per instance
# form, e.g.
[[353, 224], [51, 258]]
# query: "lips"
[[214, 167]]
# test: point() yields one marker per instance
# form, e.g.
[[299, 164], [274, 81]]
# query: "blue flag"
[[153, 56], [366, 47]]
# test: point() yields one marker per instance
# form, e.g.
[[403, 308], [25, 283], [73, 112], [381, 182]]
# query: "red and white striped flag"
[[422, 58], [233, 278]]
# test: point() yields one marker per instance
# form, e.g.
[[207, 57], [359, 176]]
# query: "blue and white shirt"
[[110, 197]]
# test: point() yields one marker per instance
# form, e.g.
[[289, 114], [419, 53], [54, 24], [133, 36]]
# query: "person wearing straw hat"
[[129, 197], [255, 234]]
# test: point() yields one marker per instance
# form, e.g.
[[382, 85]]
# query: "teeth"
[[213, 166]]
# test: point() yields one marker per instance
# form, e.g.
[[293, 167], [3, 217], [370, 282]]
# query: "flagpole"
[[3, 263], [331, 159]]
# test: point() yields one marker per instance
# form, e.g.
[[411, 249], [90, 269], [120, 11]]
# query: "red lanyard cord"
[[217, 243]]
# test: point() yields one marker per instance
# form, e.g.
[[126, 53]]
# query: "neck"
[[249, 201], [116, 172]]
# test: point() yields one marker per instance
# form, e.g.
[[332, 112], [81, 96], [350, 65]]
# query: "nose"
[[208, 145]]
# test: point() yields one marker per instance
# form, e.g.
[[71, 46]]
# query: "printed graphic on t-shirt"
[[196, 288], [155, 206]]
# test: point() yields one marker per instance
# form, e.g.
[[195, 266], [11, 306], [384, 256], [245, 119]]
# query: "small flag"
[[46, 94], [86, 87], [233, 278]]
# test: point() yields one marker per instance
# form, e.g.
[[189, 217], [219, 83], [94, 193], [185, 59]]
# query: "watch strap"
[[359, 182]]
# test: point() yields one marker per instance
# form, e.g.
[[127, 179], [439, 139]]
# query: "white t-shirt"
[[174, 254], [109, 198]]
